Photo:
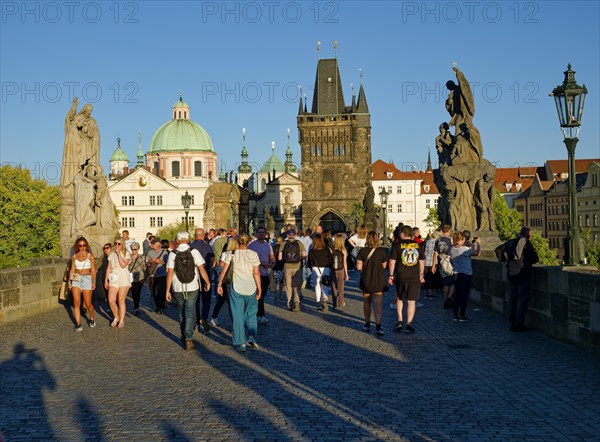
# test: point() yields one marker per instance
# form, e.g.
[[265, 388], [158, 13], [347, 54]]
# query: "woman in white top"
[[118, 281], [82, 279], [359, 239], [244, 292]]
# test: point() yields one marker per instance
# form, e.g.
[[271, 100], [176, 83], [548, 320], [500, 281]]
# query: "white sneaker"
[[215, 322], [392, 305], [263, 320]]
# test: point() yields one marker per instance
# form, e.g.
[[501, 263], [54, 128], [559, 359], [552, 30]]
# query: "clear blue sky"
[[139, 55]]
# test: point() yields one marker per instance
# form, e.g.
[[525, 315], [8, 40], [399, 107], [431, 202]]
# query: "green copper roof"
[[273, 163], [119, 155], [180, 136], [181, 103]]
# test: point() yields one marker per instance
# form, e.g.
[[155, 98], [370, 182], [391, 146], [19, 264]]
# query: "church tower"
[[335, 144]]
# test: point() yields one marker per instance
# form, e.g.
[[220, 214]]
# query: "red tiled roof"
[[513, 176], [380, 169], [562, 166]]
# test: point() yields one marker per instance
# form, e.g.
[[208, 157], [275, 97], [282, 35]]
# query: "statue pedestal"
[[489, 242]]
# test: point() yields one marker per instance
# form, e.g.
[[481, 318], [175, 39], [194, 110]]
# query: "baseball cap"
[[290, 232], [183, 236]]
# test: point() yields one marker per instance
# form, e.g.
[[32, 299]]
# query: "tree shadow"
[[172, 433], [23, 409]]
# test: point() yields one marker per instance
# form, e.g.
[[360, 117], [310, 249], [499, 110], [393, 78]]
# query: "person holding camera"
[[137, 268], [320, 260]]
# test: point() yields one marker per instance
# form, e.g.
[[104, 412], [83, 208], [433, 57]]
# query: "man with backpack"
[[292, 254], [184, 268], [520, 256]]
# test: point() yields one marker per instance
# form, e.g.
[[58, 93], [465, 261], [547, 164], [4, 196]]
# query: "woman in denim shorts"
[[82, 280]]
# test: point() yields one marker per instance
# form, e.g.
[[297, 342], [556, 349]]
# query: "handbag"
[[325, 279], [131, 274], [76, 277], [62, 294], [228, 278]]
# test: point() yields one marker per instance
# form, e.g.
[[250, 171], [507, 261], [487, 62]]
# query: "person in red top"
[[416, 232]]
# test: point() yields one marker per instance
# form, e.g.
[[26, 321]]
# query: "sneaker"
[[204, 325], [456, 319], [463, 319], [319, 308], [92, 323], [392, 305], [252, 344], [380, 332], [214, 322], [189, 344], [241, 347], [367, 326], [398, 326], [78, 327], [409, 329], [263, 320]]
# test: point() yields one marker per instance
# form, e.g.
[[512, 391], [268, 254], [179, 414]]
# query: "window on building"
[[587, 220], [336, 150], [398, 189], [123, 200], [399, 208], [428, 204], [152, 200], [389, 190], [190, 220], [197, 168], [390, 208], [152, 221], [131, 222], [435, 203], [175, 171], [159, 200], [595, 220], [124, 222], [426, 188], [343, 150], [159, 221], [184, 114], [131, 200]]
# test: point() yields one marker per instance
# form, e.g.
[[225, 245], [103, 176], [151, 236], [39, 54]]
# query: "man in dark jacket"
[[521, 258]]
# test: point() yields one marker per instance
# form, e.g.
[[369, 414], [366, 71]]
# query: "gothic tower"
[[335, 144]]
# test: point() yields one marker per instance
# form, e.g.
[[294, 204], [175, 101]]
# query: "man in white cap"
[[184, 268], [292, 253]]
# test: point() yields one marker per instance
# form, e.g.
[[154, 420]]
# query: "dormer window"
[[426, 188], [508, 186], [390, 175], [518, 186]]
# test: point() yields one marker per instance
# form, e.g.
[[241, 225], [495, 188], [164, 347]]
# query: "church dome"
[[119, 154], [180, 134], [273, 163]]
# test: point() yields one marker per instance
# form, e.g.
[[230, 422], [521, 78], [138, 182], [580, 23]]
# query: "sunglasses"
[[134, 248], [107, 247], [117, 244], [81, 245]]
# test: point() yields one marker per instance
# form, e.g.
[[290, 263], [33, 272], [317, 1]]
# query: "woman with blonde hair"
[[339, 271], [358, 240], [244, 292], [372, 261], [118, 281], [82, 280]]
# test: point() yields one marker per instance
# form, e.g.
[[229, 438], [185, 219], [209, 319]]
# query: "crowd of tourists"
[[239, 271]]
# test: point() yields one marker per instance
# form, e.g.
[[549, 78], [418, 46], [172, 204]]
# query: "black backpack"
[[291, 252], [337, 260], [185, 267]]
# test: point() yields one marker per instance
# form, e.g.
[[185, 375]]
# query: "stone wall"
[[31, 290], [564, 301]]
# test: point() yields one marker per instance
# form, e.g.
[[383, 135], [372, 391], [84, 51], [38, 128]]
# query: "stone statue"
[[86, 207], [269, 222], [82, 142], [465, 179], [369, 200]]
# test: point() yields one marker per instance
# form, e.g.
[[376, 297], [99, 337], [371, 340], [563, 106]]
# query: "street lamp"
[[186, 201], [570, 99], [383, 197]]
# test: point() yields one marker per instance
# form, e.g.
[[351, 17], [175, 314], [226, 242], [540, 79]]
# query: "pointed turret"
[[289, 163], [429, 168], [244, 167], [140, 153], [362, 108], [301, 108]]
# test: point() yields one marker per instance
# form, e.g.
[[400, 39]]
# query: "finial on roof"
[[335, 48], [244, 137], [453, 64], [180, 96], [118, 141], [273, 146], [319, 49], [360, 71], [139, 136]]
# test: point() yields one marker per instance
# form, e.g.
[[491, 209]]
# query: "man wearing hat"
[[292, 253]]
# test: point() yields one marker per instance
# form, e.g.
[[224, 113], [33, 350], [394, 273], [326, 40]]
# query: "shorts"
[[84, 283], [448, 280], [409, 290], [123, 279]]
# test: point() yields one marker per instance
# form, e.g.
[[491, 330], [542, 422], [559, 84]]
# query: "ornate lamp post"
[[186, 201], [383, 197], [570, 99]]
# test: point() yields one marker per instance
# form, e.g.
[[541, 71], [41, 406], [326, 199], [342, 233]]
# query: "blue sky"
[[237, 64]]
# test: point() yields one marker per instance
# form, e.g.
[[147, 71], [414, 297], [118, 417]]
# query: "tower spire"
[[429, 169], [244, 167], [140, 153]]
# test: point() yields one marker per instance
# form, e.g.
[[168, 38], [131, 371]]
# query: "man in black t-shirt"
[[407, 272]]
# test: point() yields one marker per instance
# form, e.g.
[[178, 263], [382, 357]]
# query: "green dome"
[[181, 103], [180, 136], [273, 163], [119, 155]]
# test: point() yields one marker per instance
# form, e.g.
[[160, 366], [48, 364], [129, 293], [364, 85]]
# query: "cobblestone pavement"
[[316, 376]]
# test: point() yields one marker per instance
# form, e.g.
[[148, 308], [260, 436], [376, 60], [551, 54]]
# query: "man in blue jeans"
[[186, 294]]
